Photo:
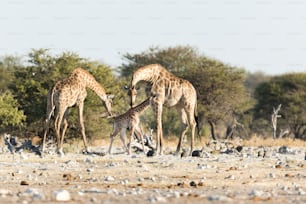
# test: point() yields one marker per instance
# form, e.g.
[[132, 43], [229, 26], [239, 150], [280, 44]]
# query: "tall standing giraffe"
[[170, 91], [67, 93]]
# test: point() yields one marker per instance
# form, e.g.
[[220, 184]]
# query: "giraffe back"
[[131, 117]]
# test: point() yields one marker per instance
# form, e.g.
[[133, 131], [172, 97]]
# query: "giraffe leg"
[[192, 124], [184, 125], [112, 137], [130, 139], [58, 123], [46, 129], [159, 133], [81, 107], [64, 128], [123, 137], [138, 132]]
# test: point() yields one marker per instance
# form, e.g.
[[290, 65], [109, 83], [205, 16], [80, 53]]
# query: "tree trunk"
[[212, 129]]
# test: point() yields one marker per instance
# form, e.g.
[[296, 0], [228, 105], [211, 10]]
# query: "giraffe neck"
[[90, 82], [142, 107], [149, 73]]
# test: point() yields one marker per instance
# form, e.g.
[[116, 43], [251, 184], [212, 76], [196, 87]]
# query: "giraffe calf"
[[129, 121]]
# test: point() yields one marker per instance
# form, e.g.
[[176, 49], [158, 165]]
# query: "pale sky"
[[258, 35]]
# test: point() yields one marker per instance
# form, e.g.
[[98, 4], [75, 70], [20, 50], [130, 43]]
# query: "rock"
[[151, 153], [197, 153], [239, 148], [193, 184], [218, 198], [261, 152], [90, 170], [109, 178], [91, 190], [231, 177], [89, 160], [34, 193], [24, 183], [271, 175], [5, 192], [62, 195], [283, 150]]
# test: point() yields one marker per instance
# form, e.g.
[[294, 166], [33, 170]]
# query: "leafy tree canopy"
[[290, 91]]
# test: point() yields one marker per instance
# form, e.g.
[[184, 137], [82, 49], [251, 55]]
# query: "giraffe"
[[129, 120], [67, 93], [171, 91]]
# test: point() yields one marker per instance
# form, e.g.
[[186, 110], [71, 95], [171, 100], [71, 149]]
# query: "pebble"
[[90, 170], [231, 177], [89, 160], [5, 192], [124, 182], [109, 178], [91, 190], [34, 193], [62, 195], [271, 175], [218, 198]]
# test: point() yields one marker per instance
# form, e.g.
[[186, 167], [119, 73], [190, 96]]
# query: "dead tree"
[[274, 117]]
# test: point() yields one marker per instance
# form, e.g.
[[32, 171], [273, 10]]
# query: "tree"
[[221, 93], [39, 76], [290, 91], [10, 115]]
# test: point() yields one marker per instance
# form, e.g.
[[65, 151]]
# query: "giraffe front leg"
[[130, 139], [81, 107], [159, 132]]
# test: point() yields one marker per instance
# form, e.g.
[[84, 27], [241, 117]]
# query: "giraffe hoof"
[[60, 153]]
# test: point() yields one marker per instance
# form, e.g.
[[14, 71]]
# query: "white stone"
[[5, 192], [62, 195], [109, 178], [34, 193]]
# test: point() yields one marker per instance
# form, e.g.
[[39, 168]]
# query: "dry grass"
[[259, 141]]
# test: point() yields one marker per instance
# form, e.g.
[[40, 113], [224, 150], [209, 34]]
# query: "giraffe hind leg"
[[184, 126], [123, 138], [112, 137]]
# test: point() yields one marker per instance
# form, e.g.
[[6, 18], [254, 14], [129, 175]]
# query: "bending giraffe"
[[67, 93], [170, 91], [129, 120]]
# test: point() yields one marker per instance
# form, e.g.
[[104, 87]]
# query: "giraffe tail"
[[196, 117]]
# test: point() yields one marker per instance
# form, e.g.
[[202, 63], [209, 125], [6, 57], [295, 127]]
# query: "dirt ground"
[[215, 177]]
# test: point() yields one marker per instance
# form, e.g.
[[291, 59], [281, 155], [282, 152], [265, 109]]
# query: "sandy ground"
[[244, 177]]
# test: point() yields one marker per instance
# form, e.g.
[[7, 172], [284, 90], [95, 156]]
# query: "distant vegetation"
[[231, 101]]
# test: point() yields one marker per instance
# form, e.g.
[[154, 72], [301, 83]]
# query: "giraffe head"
[[108, 99]]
